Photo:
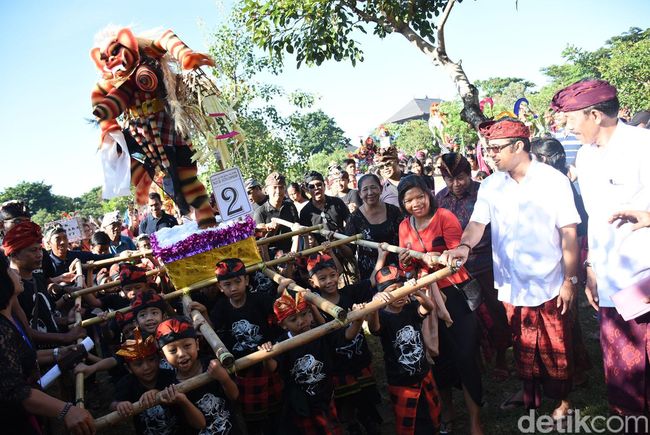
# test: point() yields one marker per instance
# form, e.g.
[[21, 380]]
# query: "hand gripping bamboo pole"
[[206, 282], [311, 297], [223, 354], [283, 346]]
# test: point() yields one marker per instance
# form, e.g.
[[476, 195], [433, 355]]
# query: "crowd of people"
[[521, 241]]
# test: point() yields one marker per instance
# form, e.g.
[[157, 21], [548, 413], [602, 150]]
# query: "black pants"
[[457, 365]]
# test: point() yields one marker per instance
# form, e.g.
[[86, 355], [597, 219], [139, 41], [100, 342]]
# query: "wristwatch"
[[573, 279]]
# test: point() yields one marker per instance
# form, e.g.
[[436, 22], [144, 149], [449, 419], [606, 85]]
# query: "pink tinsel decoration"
[[204, 241]]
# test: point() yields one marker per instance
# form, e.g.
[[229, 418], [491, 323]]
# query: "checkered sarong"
[[320, 422], [260, 394], [405, 404], [542, 341]]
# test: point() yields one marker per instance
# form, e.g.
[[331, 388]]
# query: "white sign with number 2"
[[230, 193]]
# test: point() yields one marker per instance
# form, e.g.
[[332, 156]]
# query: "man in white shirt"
[[614, 175], [534, 247]]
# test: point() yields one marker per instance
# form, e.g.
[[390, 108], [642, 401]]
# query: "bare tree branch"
[[442, 49]]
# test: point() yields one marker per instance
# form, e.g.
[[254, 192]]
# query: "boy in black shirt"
[[178, 340], [355, 392], [143, 383], [307, 369], [241, 319], [410, 381]]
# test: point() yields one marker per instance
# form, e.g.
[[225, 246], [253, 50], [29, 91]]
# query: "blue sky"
[[48, 75]]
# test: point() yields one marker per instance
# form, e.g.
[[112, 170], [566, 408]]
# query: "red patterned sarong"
[[625, 353], [320, 422], [543, 350], [260, 393], [405, 404], [542, 341]]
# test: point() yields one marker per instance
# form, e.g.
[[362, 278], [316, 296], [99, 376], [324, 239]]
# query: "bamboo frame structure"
[[292, 343], [206, 282], [90, 265]]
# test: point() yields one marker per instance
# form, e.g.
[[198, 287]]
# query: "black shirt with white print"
[[243, 329], [158, 420], [307, 371], [211, 400], [404, 351], [353, 356]]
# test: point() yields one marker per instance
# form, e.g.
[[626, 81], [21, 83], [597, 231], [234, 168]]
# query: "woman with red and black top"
[[428, 228]]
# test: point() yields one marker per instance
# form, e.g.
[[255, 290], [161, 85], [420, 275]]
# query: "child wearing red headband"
[[179, 343], [355, 393], [144, 381], [411, 386], [241, 319], [307, 369]]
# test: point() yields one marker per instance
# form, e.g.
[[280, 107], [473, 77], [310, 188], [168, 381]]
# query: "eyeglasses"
[[312, 186], [496, 149]]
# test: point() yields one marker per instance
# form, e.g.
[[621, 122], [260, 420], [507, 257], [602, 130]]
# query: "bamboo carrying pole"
[[311, 297], [367, 243], [108, 261], [107, 285], [223, 354], [302, 230], [206, 282], [79, 377], [292, 343]]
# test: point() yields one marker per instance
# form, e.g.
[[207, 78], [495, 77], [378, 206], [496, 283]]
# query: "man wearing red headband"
[[22, 244], [533, 224], [613, 173]]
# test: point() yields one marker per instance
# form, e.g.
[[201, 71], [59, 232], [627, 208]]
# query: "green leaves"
[[624, 61], [314, 31]]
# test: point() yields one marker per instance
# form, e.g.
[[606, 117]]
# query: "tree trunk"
[[468, 93]]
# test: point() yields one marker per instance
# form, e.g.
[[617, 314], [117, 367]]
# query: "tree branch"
[[442, 49], [363, 14]]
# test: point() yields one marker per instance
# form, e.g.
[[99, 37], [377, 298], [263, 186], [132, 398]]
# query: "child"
[[149, 309], [142, 384], [144, 242], [100, 243], [355, 392], [178, 340], [307, 369], [241, 321], [410, 381]]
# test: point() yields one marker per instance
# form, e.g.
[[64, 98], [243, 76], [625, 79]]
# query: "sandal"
[[446, 427], [512, 402]]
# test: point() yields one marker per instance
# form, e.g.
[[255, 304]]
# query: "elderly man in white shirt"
[[614, 175], [534, 246]]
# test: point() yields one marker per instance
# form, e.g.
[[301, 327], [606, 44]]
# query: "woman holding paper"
[[21, 401]]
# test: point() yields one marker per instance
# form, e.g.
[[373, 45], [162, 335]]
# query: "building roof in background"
[[417, 108]]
